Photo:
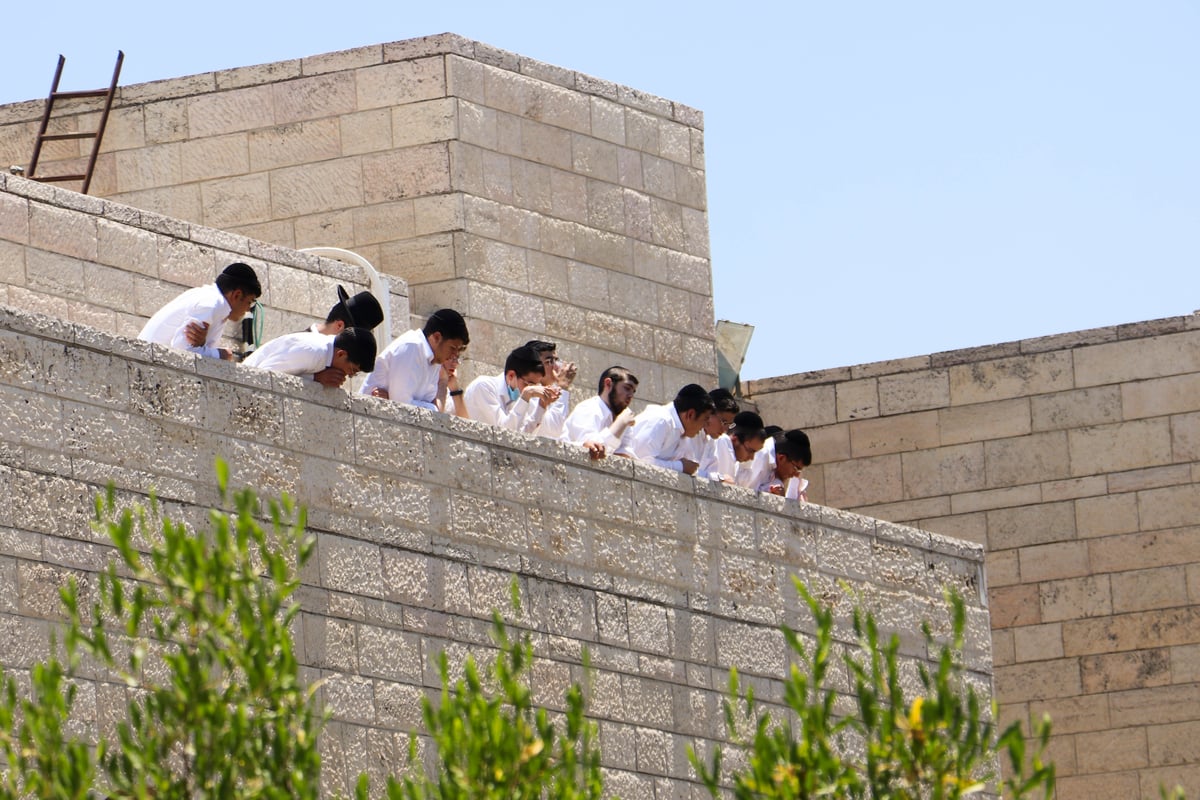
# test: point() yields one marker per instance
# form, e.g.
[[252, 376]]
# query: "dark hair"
[[540, 347], [693, 397], [723, 401], [616, 375], [523, 361], [239, 276], [747, 425], [359, 344], [794, 444], [449, 323]]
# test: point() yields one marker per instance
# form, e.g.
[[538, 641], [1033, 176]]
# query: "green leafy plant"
[[197, 631], [42, 760], [939, 745], [490, 741]]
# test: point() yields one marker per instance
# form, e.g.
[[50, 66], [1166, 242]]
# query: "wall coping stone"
[[971, 355], [22, 321], [404, 50]]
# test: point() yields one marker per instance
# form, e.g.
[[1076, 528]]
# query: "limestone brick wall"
[[537, 200], [1076, 460], [94, 261], [421, 520]]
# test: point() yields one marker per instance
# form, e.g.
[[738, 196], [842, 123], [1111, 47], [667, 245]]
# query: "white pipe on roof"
[[379, 286]]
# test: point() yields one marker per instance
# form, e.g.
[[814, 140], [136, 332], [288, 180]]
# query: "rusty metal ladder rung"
[[96, 135]]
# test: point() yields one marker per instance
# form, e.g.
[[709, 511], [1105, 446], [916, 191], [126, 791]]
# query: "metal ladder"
[[96, 135]]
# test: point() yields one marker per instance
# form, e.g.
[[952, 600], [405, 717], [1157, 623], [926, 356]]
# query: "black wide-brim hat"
[[362, 309]]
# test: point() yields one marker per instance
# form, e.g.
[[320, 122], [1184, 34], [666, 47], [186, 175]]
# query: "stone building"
[[540, 202], [1075, 461], [543, 202]]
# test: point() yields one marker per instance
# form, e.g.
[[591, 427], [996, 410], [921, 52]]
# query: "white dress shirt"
[[304, 353], [554, 420], [487, 401], [657, 438], [204, 305], [719, 460], [406, 370], [702, 448], [588, 422], [760, 470]]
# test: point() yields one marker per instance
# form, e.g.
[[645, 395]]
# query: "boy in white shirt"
[[205, 310], [736, 449], [514, 399], [760, 468], [663, 434], [598, 422], [330, 360], [558, 376], [420, 367], [725, 408], [793, 453]]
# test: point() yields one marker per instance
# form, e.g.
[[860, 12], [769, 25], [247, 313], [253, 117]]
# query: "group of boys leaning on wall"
[[701, 433]]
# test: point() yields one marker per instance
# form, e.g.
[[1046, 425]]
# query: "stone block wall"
[[421, 520], [1075, 460], [537, 200], [97, 262]]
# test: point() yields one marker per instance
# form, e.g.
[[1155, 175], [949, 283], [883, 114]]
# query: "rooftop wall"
[[94, 261], [536, 200], [1076, 460], [421, 520]]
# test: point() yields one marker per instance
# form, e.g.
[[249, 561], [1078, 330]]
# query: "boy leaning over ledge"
[[420, 367], [515, 399], [327, 359], [663, 434], [205, 310]]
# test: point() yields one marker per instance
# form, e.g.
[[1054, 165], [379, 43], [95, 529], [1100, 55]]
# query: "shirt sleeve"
[[486, 400], [532, 418], [582, 424], [206, 312], [378, 378], [404, 377], [295, 357], [752, 475], [483, 405], [717, 461]]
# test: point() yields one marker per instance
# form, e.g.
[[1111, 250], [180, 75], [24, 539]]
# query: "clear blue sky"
[[884, 179]]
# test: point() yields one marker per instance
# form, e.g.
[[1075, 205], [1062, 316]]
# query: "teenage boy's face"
[[744, 451], [446, 352], [343, 362], [718, 423], [550, 364], [694, 422], [786, 468], [241, 303]]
